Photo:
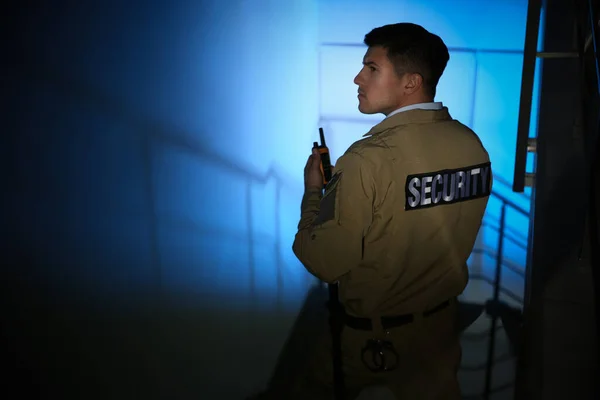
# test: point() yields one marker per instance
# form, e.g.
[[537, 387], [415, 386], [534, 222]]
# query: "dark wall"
[[560, 357]]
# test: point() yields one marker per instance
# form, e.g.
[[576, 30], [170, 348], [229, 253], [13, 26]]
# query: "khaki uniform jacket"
[[400, 216]]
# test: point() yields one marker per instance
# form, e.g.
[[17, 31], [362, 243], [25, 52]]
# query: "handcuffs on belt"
[[383, 355]]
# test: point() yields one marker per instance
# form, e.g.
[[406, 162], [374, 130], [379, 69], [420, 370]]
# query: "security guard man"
[[395, 227]]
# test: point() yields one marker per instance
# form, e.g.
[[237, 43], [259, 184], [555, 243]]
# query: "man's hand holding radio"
[[313, 178]]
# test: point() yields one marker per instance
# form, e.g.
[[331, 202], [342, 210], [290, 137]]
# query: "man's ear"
[[413, 83]]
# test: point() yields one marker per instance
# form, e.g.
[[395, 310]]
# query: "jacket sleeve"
[[329, 241]]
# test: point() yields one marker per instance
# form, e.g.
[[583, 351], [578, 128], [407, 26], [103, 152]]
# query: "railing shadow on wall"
[[155, 135], [252, 179]]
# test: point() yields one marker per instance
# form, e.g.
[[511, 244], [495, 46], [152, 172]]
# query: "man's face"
[[380, 90]]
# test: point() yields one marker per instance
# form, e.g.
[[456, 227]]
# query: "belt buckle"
[[383, 355]]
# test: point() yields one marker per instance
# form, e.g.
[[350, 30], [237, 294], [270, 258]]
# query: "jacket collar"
[[418, 116]]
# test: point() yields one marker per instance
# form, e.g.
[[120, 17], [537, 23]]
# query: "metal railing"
[[505, 233]]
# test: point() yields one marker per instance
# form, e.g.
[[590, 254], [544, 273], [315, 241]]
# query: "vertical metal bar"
[[499, 255], [497, 279], [529, 59]]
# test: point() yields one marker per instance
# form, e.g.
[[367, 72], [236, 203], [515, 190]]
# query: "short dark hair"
[[412, 49]]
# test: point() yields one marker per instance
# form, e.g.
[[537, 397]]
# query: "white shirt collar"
[[423, 106]]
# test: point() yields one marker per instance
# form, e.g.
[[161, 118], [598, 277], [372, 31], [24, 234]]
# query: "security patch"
[[447, 186]]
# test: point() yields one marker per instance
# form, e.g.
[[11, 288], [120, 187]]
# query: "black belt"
[[365, 324]]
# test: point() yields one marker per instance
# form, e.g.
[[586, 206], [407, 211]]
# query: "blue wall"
[[159, 147]]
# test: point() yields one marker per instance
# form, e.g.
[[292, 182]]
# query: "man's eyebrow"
[[370, 63]]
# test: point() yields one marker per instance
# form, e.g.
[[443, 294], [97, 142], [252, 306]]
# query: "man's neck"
[[429, 105], [410, 102]]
